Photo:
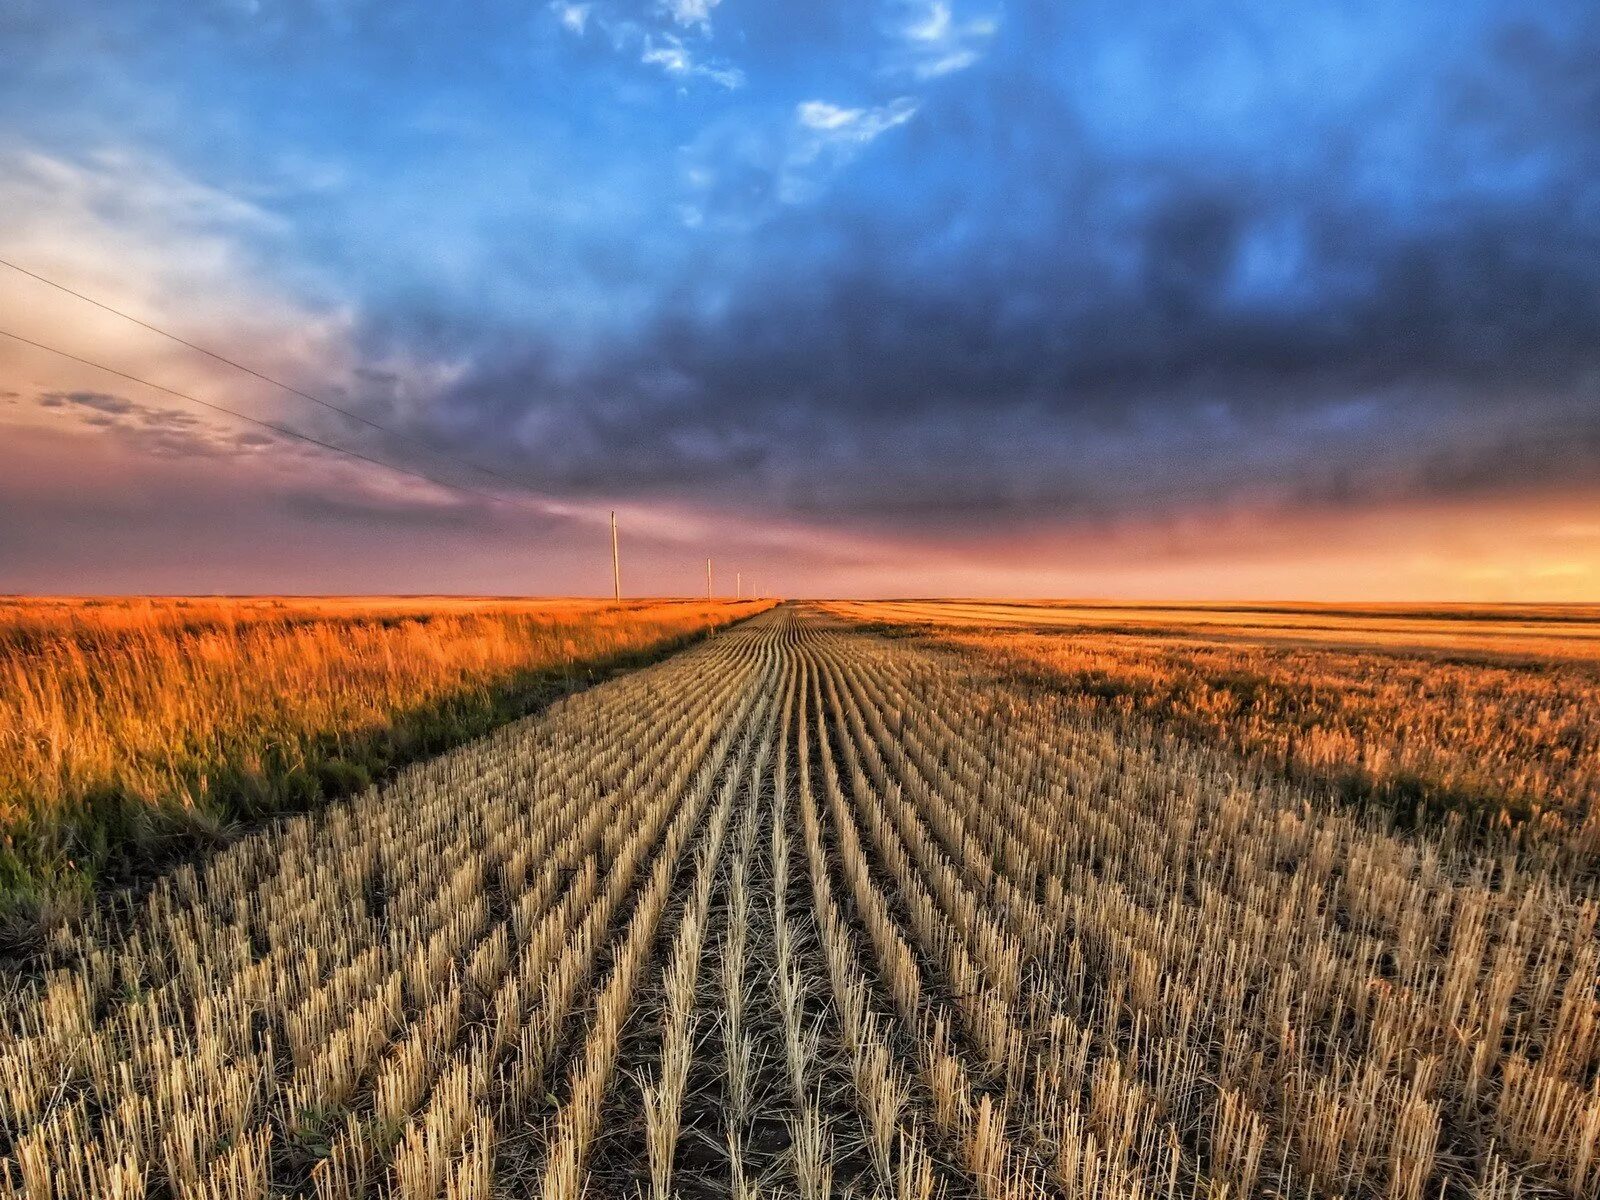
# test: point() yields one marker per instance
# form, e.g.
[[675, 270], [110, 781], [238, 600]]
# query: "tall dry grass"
[[130, 727], [1500, 741]]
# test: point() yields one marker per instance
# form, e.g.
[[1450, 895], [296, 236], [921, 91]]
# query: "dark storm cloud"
[[932, 267], [1024, 303]]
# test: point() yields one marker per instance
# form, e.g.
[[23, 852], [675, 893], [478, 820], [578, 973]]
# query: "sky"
[[1227, 299]]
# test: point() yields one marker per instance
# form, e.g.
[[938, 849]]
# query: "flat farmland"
[[134, 731], [1485, 717], [1516, 632], [808, 911]]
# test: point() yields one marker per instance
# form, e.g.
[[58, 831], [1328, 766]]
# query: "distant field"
[[1569, 631], [1493, 713], [133, 727]]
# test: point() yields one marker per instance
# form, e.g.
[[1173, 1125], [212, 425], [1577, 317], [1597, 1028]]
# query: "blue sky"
[[969, 281]]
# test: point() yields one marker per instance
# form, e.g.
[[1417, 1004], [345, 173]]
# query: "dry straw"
[[953, 936]]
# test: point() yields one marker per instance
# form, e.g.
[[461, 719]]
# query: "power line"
[[285, 430], [277, 383]]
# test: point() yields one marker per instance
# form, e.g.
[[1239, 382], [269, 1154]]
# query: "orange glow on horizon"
[[92, 514]]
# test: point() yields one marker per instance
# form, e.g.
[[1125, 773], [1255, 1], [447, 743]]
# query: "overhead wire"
[[424, 443], [285, 430]]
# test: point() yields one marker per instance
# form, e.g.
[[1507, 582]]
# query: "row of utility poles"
[[738, 584], [616, 573]]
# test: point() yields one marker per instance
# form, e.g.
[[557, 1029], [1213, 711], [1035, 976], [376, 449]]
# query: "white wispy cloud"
[[744, 168], [674, 56], [671, 38], [827, 137], [933, 41], [835, 123], [143, 234], [691, 13], [574, 17]]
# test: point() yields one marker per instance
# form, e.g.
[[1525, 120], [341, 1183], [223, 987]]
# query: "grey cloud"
[[1004, 313], [98, 401], [341, 507], [159, 431]]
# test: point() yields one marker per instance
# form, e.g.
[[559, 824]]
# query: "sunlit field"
[[808, 911], [1533, 633], [133, 727], [1490, 715], [309, 892]]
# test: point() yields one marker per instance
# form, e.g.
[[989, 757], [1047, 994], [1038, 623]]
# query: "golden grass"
[[1466, 713], [951, 937], [1539, 633], [127, 722]]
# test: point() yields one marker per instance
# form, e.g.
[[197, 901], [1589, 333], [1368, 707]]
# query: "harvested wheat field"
[[1486, 717], [803, 911], [134, 729]]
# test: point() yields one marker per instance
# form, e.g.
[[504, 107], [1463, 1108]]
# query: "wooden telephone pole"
[[616, 565], [708, 580], [738, 585]]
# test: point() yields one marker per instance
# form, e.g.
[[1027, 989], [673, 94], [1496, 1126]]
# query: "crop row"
[[804, 912]]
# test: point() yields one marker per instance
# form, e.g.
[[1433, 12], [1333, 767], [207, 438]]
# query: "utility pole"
[[738, 585], [708, 580], [616, 566]]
